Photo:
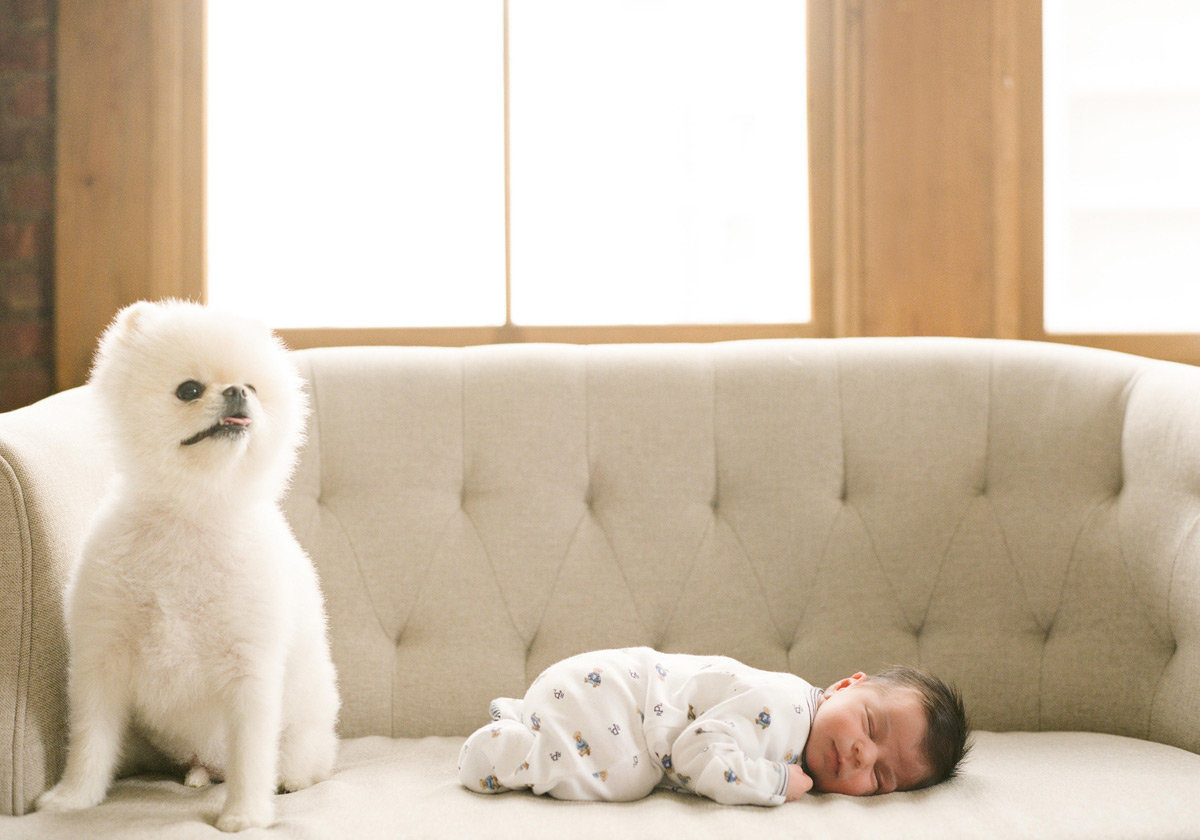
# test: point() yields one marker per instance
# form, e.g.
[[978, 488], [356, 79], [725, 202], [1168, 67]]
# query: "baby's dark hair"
[[947, 739]]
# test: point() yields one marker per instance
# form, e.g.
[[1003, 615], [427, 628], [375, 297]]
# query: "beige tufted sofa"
[[1023, 519]]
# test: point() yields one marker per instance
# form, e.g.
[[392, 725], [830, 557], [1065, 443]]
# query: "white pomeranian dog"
[[194, 614]]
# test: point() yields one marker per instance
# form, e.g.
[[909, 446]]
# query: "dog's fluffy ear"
[[124, 326], [127, 319]]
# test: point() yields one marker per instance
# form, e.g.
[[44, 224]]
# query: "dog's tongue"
[[236, 421]]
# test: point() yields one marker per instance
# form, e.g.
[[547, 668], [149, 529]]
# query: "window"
[[356, 163], [536, 162], [1121, 94], [658, 154]]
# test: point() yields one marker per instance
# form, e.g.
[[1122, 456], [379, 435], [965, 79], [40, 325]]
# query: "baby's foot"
[[493, 757]]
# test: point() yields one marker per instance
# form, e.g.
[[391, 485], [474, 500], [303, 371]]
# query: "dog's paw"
[[246, 815], [295, 783], [300, 771], [62, 798], [197, 776]]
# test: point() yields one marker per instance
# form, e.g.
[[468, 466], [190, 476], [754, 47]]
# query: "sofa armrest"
[[1161, 536], [52, 476]]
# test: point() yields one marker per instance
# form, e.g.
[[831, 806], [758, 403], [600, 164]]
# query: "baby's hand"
[[798, 782]]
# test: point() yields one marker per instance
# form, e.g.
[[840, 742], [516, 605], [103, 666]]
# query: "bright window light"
[[356, 162], [657, 155], [1122, 174], [659, 162]]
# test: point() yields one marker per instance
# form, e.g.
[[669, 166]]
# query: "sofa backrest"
[[1022, 519]]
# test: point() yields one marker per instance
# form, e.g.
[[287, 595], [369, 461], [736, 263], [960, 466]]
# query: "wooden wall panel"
[[927, 168], [129, 197]]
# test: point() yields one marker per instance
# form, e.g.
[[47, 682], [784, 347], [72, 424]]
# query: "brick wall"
[[26, 201]]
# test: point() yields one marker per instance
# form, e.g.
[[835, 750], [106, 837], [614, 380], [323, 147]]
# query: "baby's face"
[[867, 738]]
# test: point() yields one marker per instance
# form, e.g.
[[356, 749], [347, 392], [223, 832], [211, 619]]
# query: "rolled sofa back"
[[1019, 518]]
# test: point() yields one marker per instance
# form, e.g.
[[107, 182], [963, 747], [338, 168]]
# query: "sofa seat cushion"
[[1055, 785]]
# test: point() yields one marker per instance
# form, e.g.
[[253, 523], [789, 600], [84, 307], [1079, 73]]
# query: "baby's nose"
[[864, 753]]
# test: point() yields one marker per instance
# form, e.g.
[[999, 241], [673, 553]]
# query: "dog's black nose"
[[235, 399]]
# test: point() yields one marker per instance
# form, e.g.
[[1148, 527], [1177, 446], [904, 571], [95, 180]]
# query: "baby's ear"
[[844, 683]]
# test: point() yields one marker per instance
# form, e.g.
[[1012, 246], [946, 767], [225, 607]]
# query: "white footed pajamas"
[[615, 724]]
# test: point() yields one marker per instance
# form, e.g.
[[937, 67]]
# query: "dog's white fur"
[[194, 614]]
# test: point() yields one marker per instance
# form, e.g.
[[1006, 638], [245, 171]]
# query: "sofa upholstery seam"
[[822, 560], [1072, 561], [1158, 684], [1012, 561], [1127, 394], [495, 576], [462, 408], [717, 516], [423, 577], [583, 516], [937, 578], [841, 394], [321, 472], [25, 651], [858, 513], [444, 531], [537, 627], [1008, 554], [1191, 529], [329, 510], [987, 434], [1144, 608], [612, 551], [716, 493], [762, 589], [709, 528]]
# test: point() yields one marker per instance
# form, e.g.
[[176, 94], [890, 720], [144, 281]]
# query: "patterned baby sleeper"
[[615, 724]]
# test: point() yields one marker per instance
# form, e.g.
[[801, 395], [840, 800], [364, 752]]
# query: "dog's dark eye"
[[190, 390]]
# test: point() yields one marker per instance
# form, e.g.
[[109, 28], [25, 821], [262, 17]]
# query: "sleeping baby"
[[615, 724]]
